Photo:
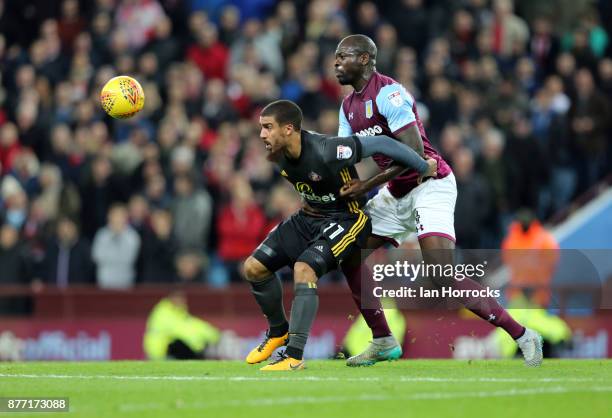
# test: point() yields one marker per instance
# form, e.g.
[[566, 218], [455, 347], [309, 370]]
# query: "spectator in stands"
[[471, 67], [473, 200], [190, 267], [411, 14], [15, 269], [13, 258], [544, 45], [98, 193], [164, 45], [115, 251], [159, 249], [216, 107], [210, 55], [70, 23], [367, 19], [589, 119], [239, 226], [36, 233], [68, 257], [15, 210], [9, 146], [229, 24], [138, 18], [581, 50], [138, 213], [155, 192], [26, 170], [138, 218], [510, 32], [192, 214], [442, 104], [495, 171], [50, 181], [531, 253], [527, 180], [263, 42], [605, 76]]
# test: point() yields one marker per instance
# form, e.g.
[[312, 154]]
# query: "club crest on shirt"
[[395, 98], [343, 152], [369, 109], [314, 176]]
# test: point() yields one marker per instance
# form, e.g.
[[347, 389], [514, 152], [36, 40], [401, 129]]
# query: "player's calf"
[[303, 309], [268, 292]]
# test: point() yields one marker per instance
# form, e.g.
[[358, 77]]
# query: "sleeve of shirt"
[[395, 104], [339, 152], [344, 127]]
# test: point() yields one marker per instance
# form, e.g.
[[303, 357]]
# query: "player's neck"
[[363, 81], [293, 150]]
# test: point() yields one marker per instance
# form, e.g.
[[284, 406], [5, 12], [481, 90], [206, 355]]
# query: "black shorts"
[[322, 243]]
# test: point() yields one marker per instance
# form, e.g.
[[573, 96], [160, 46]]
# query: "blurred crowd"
[[515, 95]]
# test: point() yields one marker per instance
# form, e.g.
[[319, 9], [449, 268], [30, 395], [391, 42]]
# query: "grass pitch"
[[432, 388]]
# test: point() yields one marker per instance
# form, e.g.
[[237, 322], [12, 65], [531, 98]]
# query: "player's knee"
[[254, 271], [303, 273]]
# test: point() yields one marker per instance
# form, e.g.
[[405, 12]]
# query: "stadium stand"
[[516, 99]]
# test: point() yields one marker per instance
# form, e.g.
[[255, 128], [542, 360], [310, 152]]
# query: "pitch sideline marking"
[[305, 378]]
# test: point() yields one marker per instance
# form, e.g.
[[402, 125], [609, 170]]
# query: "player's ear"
[[290, 128]]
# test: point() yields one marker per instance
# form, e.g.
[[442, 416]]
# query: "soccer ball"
[[122, 97]]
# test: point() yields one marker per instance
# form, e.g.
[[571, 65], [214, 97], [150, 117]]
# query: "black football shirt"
[[325, 164]]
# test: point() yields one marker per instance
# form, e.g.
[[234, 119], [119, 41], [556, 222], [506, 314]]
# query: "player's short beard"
[[274, 156]]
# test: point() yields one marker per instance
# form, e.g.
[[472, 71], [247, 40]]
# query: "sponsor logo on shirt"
[[343, 152], [305, 190], [371, 131]]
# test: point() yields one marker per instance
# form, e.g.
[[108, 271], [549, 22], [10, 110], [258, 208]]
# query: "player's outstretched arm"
[[399, 152], [395, 150]]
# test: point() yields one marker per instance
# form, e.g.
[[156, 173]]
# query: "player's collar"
[[360, 92], [297, 160]]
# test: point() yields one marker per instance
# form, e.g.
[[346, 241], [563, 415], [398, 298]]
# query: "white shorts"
[[428, 209]]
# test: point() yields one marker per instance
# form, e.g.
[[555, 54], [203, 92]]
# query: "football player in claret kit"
[[319, 237], [380, 105]]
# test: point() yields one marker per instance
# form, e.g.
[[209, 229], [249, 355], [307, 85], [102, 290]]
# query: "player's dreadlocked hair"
[[284, 112]]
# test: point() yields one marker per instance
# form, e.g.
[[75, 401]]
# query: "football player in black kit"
[[316, 239]]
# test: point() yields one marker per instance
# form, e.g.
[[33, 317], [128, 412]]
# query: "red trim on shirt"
[[403, 128]]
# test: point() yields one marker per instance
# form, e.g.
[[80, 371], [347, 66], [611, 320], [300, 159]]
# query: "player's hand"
[[432, 170], [354, 189]]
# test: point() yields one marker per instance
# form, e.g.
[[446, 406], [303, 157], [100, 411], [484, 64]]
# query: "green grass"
[[435, 388]]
